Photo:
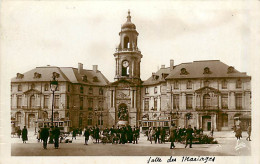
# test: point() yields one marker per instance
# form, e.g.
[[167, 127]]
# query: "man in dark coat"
[[19, 132], [163, 133], [74, 133], [24, 134], [97, 134], [189, 133], [135, 135], [157, 135], [56, 135], [172, 135], [44, 136], [86, 134]]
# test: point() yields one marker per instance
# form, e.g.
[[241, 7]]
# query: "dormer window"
[[164, 75], [184, 71], [85, 78], [19, 76], [239, 84], [207, 70], [95, 79], [55, 75], [37, 75], [230, 69]]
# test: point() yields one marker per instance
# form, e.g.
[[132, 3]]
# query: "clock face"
[[125, 63]]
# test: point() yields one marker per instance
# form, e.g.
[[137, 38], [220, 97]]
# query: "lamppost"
[[53, 86]]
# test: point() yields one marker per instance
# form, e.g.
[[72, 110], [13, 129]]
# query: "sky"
[[64, 33]]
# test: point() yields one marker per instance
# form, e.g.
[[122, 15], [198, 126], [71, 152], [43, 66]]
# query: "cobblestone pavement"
[[227, 146]]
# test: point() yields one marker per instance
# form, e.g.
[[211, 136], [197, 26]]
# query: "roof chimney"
[[162, 66], [80, 68], [171, 64], [95, 68]]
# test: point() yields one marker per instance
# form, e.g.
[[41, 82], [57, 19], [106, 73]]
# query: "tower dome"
[[128, 24]]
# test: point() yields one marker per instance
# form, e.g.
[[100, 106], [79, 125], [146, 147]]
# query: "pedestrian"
[[44, 136], [151, 135], [238, 133], [163, 133], [39, 135], [189, 136], [212, 131], [97, 134], [56, 135], [74, 133], [249, 133], [24, 135], [19, 132], [157, 135], [172, 136], [136, 134], [86, 134]]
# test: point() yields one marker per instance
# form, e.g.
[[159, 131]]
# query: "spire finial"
[[129, 16]]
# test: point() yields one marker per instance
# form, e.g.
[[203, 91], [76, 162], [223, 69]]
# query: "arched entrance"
[[31, 118], [122, 112], [206, 123]]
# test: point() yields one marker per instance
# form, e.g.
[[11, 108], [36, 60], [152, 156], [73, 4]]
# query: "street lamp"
[[53, 86]]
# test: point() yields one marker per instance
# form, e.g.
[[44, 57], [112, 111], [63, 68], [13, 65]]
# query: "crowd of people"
[[125, 134]]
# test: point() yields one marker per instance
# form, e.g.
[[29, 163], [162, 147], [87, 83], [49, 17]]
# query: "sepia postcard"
[[129, 82]]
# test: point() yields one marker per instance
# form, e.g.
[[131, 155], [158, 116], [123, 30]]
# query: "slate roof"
[[67, 74], [195, 69], [153, 80]]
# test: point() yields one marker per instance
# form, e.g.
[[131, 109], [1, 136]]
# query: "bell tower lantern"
[[127, 55]]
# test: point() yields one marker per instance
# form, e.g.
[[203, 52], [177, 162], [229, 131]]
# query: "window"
[[56, 116], [46, 101], [126, 42], [206, 101], [81, 103], [176, 85], [146, 104], [189, 85], [56, 101], [100, 121], [189, 101], [155, 89], [19, 87], [89, 120], [207, 70], [100, 105], [81, 89], [19, 117], [46, 87], [90, 104], [45, 115], [175, 101], [224, 120], [239, 101], [239, 84], [19, 101], [32, 86], [90, 91], [184, 71], [68, 102], [155, 103], [146, 90], [32, 101], [80, 119], [224, 101], [224, 84], [100, 91], [112, 98], [206, 83], [68, 88]]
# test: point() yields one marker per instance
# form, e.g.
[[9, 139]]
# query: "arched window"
[[19, 87], [56, 115], [100, 91], [45, 115], [224, 84], [189, 85], [239, 84], [32, 101], [90, 91], [32, 86], [126, 42], [206, 101], [125, 68]]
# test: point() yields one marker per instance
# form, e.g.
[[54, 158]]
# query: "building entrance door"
[[206, 122], [31, 118]]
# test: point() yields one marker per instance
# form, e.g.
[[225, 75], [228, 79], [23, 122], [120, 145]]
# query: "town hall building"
[[208, 94]]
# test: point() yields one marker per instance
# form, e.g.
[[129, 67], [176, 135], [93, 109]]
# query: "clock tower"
[[127, 55], [124, 94]]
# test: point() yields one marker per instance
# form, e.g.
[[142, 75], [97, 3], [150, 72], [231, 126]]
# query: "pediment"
[[206, 90], [32, 91]]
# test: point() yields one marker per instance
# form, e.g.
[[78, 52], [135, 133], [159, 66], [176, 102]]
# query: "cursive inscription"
[[156, 159]]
